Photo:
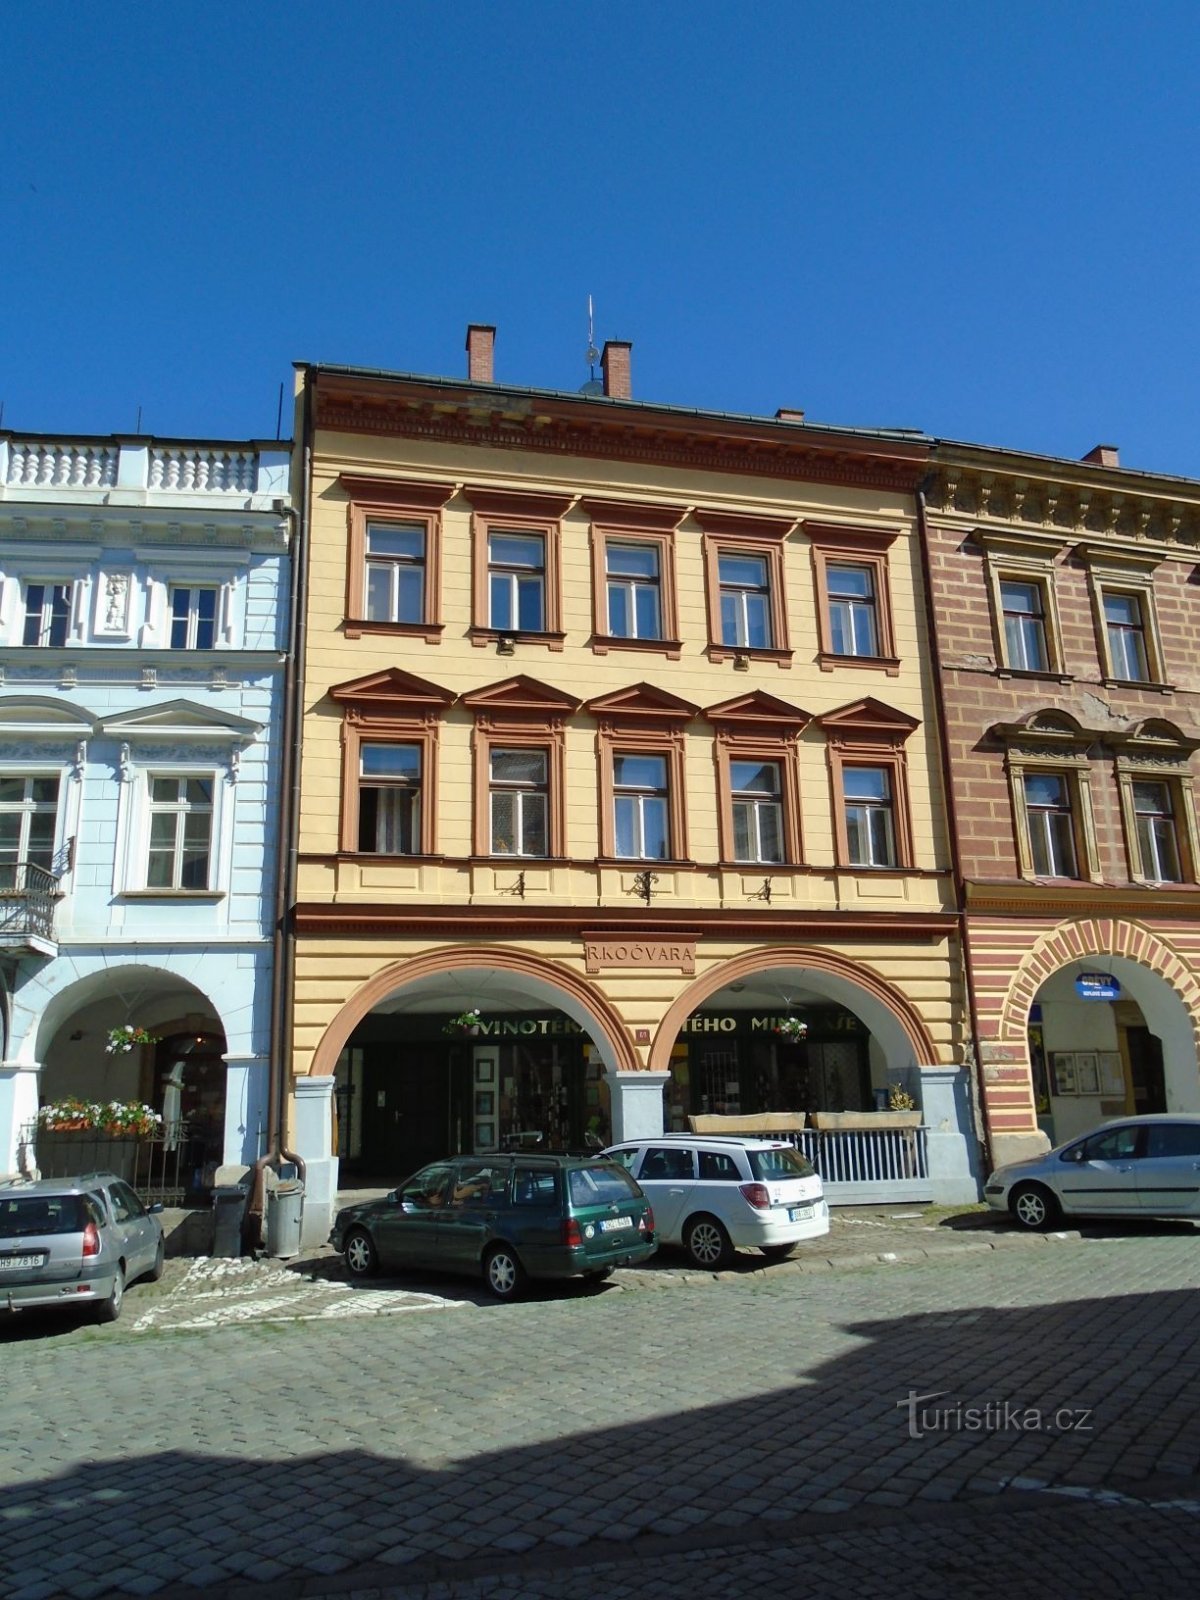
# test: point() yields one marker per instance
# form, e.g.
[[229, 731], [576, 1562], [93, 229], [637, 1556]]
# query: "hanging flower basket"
[[464, 1024], [792, 1030], [123, 1039]]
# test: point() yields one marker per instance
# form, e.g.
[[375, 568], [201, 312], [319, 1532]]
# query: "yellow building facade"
[[617, 757]]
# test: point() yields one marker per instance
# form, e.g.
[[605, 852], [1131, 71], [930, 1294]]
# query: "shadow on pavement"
[[887, 1421]]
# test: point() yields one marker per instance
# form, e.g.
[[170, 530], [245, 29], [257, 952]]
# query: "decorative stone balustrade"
[[186, 469], [141, 468], [60, 464]]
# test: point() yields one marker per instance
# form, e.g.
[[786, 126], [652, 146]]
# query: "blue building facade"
[[143, 627]]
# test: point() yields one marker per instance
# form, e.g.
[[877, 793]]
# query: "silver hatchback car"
[[75, 1242], [1137, 1167]]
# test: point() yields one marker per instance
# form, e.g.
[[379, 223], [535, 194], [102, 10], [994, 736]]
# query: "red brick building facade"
[[1067, 632]]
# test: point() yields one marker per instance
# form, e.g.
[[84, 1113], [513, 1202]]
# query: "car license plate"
[[799, 1213], [615, 1224], [21, 1263]]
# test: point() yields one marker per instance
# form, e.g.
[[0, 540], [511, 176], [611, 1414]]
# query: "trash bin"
[[229, 1207], [285, 1211]]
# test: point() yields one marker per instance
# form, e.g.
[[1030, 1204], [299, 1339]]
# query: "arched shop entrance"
[[1109, 1037], [411, 1084], [730, 1051]]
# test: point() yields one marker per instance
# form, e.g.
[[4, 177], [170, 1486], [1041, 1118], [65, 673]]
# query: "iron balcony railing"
[[157, 1167], [27, 896]]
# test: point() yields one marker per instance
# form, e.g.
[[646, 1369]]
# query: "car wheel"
[[160, 1256], [1033, 1207], [777, 1252], [109, 1310], [362, 1258], [503, 1272], [706, 1241]]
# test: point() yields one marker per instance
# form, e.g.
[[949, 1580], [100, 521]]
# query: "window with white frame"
[[870, 828], [517, 582], [1157, 830], [389, 799], [634, 591], [47, 614], [193, 616], [1025, 645], [395, 560], [1050, 817], [28, 826], [519, 802], [853, 628], [745, 595], [1125, 628], [180, 841], [755, 794], [641, 807]]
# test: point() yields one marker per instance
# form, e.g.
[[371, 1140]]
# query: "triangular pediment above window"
[[28, 716], [391, 690], [868, 718], [759, 710], [642, 702], [522, 696], [177, 720]]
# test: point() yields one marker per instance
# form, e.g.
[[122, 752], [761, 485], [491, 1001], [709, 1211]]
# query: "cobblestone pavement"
[[669, 1434]]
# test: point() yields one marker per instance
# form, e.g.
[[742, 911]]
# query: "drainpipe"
[[285, 866], [935, 655]]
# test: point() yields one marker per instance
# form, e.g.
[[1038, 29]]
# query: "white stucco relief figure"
[[116, 601]]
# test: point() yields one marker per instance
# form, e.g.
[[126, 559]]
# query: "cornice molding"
[[834, 927], [560, 425], [1181, 903], [1128, 519]]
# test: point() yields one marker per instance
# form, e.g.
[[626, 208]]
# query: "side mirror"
[[1075, 1153], [154, 1210]]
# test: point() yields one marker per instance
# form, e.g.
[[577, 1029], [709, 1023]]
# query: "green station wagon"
[[505, 1218]]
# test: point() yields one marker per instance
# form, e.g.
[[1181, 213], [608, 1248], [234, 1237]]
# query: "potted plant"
[[793, 1030], [465, 1023], [129, 1119], [900, 1112], [69, 1116], [124, 1038]]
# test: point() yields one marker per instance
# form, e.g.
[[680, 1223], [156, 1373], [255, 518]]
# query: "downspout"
[[952, 815], [285, 866]]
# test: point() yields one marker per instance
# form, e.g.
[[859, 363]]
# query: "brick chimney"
[[614, 362], [788, 414], [1104, 455], [481, 346]]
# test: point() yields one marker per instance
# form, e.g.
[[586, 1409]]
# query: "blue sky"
[[976, 219]]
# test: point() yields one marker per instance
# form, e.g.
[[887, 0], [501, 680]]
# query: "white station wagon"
[[713, 1193]]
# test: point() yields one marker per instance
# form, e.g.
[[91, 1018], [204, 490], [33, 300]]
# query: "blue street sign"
[[1097, 986]]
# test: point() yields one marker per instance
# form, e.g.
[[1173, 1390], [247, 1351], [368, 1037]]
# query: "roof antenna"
[[593, 386]]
